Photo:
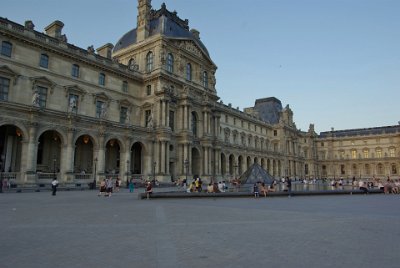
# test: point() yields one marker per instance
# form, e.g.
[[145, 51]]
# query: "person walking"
[[255, 190], [289, 186], [131, 186], [54, 185]]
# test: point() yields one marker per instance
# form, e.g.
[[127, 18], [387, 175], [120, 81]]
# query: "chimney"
[[54, 29], [105, 51], [195, 33], [143, 20]]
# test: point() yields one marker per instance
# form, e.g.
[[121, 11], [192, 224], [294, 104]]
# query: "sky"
[[336, 63]]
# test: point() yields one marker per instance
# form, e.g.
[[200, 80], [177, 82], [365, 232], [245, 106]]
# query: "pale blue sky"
[[335, 62]]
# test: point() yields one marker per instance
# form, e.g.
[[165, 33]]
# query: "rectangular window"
[[99, 109], [4, 87], [353, 154], [392, 152], [75, 70], [6, 48], [73, 103], [124, 86], [147, 118], [378, 153], [123, 114], [275, 133], [102, 79], [172, 120], [44, 61], [366, 154], [42, 96], [148, 90]]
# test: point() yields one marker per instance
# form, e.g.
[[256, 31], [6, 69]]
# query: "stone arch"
[[137, 152], [196, 162], [232, 165], [84, 154], [48, 154], [11, 137], [223, 164]]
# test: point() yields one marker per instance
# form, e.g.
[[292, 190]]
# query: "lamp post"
[[94, 174], [186, 164], [154, 172], [1, 173], [128, 168], [54, 167]]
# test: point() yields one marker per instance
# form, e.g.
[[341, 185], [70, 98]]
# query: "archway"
[[196, 163], [10, 149], [248, 162], [83, 159], [240, 165], [135, 166], [112, 157], [48, 154], [231, 165]]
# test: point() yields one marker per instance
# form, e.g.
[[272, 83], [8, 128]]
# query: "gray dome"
[[166, 23]]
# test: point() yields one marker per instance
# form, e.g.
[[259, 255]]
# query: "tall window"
[[4, 87], [353, 154], [99, 109], [102, 79], [124, 86], [73, 103], [44, 61], [194, 124], [123, 114], [378, 153], [148, 90], [170, 63], [189, 72], [75, 70], [205, 79], [366, 154], [42, 96], [6, 48], [171, 120], [149, 62], [392, 152]]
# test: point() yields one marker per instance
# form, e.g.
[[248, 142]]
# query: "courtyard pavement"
[[80, 229]]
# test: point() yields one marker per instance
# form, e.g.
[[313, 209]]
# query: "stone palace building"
[[147, 107]]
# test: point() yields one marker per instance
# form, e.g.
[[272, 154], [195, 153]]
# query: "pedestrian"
[[255, 190], [109, 187], [117, 184], [131, 186], [54, 185], [289, 186]]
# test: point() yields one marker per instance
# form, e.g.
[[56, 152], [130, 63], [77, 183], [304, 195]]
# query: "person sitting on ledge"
[[264, 189], [362, 186], [210, 188], [149, 190]]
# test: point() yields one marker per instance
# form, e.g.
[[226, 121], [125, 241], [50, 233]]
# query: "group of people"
[[261, 187], [107, 186]]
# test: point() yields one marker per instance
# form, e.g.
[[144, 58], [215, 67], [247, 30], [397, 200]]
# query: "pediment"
[[102, 97], [125, 103], [43, 80], [74, 89], [4, 69]]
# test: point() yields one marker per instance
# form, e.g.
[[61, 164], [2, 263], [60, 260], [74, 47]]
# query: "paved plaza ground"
[[79, 229]]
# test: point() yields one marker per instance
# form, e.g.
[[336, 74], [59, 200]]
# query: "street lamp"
[[186, 164], [154, 172], [54, 167], [94, 174], [128, 168]]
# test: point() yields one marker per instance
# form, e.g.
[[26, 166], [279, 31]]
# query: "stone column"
[[31, 155]]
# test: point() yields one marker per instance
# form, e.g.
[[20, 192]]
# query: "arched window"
[[194, 124], [189, 72], [44, 61], [205, 79], [6, 48], [149, 62], [170, 63]]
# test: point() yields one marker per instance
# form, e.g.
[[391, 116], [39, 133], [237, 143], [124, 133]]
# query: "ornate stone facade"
[[148, 107]]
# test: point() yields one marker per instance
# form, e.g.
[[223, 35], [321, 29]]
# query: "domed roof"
[[166, 23]]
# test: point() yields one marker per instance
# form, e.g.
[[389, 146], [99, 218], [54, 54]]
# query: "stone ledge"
[[249, 194]]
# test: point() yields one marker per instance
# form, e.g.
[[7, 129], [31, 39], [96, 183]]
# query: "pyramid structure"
[[254, 174]]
